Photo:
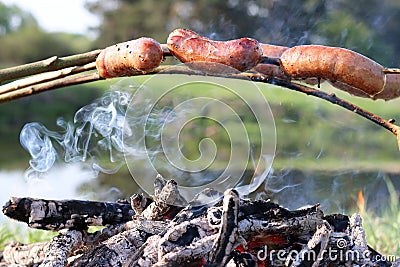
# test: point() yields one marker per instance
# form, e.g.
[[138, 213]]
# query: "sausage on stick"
[[188, 46], [129, 58], [336, 65]]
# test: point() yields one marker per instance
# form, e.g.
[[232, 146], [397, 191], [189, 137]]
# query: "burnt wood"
[[66, 214]]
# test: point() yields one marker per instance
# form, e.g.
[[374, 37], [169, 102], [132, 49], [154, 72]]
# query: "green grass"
[[13, 232], [382, 227], [315, 124], [327, 136]]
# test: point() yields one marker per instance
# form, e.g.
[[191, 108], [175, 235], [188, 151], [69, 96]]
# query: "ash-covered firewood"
[[228, 237], [114, 251], [66, 214], [61, 247], [232, 232], [166, 194], [30, 254], [117, 249]]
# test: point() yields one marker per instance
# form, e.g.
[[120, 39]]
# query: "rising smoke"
[[96, 131]]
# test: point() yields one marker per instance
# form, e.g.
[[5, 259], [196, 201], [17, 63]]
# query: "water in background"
[[60, 183]]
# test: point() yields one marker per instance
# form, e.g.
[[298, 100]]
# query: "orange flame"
[[360, 201]]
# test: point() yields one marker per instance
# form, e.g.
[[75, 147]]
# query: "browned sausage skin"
[[391, 89], [339, 65], [274, 51], [241, 54], [129, 58], [334, 64]]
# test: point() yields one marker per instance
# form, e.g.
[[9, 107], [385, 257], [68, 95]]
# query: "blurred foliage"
[[267, 21], [13, 19], [32, 44], [23, 41]]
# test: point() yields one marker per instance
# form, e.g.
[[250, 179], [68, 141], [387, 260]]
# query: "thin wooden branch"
[[55, 63], [50, 85], [50, 64], [44, 77], [61, 247], [228, 236], [165, 50], [391, 71]]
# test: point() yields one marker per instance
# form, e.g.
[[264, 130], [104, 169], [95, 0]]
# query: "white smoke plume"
[[95, 132]]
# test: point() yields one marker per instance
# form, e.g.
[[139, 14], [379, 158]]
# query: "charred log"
[[61, 247], [66, 214]]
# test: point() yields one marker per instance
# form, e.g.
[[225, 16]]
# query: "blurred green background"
[[324, 154]]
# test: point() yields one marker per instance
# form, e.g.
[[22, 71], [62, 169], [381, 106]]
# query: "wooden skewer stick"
[[49, 85], [44, 77], [50, 64], [332, 98], [50, 74], [68, 67], [391, 71]]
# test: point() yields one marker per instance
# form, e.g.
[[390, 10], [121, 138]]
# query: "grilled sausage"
[[241, 54], [129, 58], [334, 64]]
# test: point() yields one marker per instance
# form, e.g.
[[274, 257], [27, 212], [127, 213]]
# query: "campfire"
[[150, 232], [215, 225]]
